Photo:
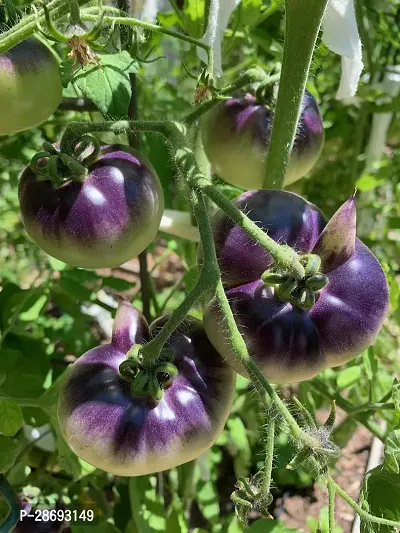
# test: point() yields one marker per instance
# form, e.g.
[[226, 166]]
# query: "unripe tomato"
[[287, 342], [30, 86], [101, 222], [236, 135], [109, 427]]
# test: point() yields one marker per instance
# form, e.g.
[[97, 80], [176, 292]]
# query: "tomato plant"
[[176, 354], [27, 72]]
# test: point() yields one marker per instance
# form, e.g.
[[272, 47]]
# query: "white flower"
[[340, 34], [218, 20]]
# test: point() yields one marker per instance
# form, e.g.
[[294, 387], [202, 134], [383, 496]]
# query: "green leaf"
[[176, 522], [108, 85], [348, 377], [370, 363], [391, 459], [56, 264], [33, 312], [11, 418], [368, 182], [118, 284], [9, 452], [194, 17], [238, 446], [207, 498], [381, 496]]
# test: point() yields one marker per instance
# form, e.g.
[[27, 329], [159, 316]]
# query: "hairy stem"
[[269, 450], [253, 75], [359, 510], [261, 384], [74, 14], [206, 281], [26, 27], [331, 506], [127, 21], [303, 20]]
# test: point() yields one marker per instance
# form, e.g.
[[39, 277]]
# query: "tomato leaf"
[[9, 452], [391, 459], [109, 86], [381, 496], [11, 418], [348, 377]]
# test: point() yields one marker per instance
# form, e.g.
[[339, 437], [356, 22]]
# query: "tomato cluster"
[[131, 417]]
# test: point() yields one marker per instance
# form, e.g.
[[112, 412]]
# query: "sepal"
[[336, 243]]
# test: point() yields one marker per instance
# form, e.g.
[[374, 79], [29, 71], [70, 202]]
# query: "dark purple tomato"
[[236, 135], [101, 222], [290, 343], [127, 435], [30, 86]]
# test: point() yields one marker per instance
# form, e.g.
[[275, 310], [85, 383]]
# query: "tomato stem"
[[359, 510], [303, 20], [28, 24], [128, 21]]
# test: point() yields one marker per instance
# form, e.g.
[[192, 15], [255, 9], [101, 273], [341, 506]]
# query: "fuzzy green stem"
[[28, 25], [74, 17], [206, 281], [12, 500], [253, 75], [284, 256], [127, 21], [359, 510], [303, 20], [331, 507], [269, 451], [261, 384]]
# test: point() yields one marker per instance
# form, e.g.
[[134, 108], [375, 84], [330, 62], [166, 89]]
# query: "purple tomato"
[[128, 435], [101, 222], [30, 86], [290, 343], [236, 135]]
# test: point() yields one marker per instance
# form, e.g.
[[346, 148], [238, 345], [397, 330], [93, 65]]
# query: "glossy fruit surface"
[[110, 428], [101, 222], [236, 135], [30, 86], [288, 343]]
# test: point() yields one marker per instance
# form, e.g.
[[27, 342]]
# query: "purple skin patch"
[[287, 343], [102, 222], [108, 427]]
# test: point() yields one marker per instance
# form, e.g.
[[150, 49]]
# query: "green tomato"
[[30, 86]]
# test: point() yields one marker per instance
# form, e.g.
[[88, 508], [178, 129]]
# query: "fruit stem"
[[260, 383], [109, 19], [207, 281], [75, 16], [28, 24], [269, 448], [359, 510], [303, 20], [253, 75], [284, 256], [331, 507]]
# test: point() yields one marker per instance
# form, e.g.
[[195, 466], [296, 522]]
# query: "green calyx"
[[59, 167], [301, 293], [148, 380], [250, 496]]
